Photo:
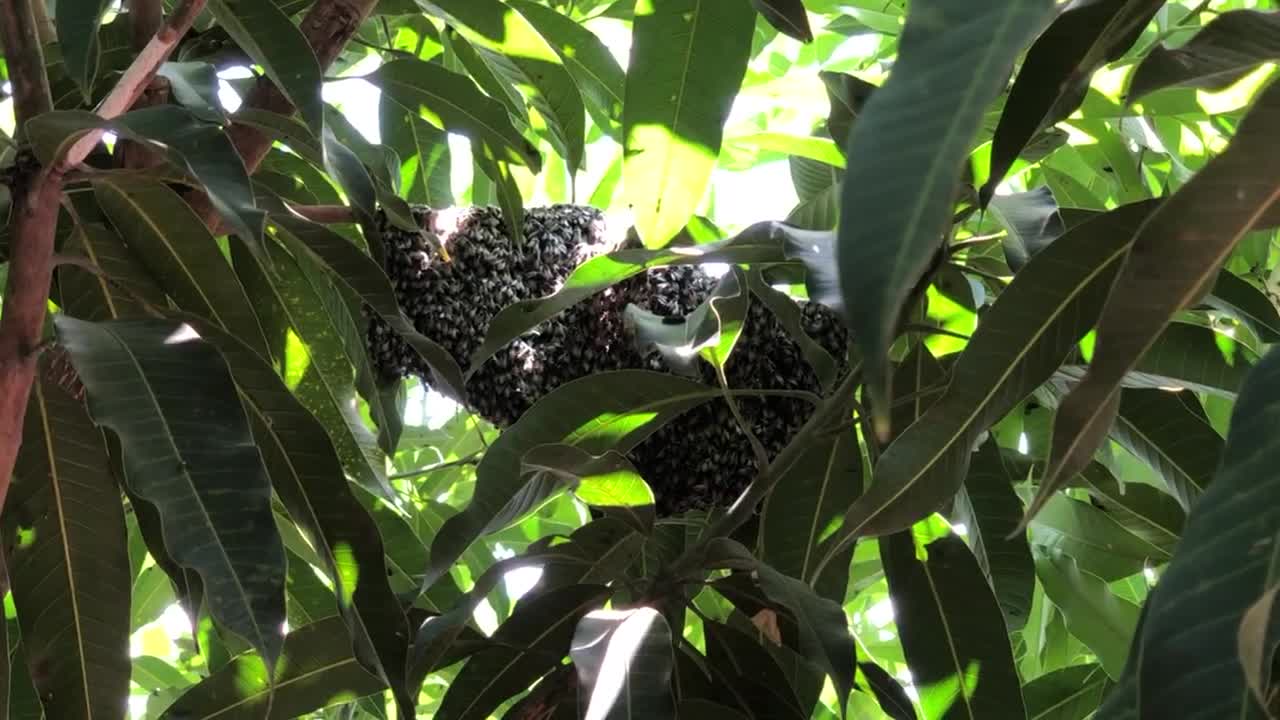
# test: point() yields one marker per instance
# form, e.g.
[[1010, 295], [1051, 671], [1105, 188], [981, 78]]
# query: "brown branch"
[[145, 18], [328, 27], [36, 200], [44, 25], [324, 214]]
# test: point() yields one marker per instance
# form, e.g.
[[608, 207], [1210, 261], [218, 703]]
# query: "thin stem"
[[931, 330], [472, 459], [979, 273], [975, 240]]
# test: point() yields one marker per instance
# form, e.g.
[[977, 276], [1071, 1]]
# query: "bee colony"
[[700, 460]]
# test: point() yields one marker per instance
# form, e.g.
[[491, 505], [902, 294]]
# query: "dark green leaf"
[[953, 634], [77, 23], [1058, 68], [65, 546], [1141, 509], [1224, 51], [608, 481], [287, 130], [188, 450], [1226, 560], [90, 296], [709, 332], [788, 16], [990, 509], [893, 699], [1093, 538], [1171, 434], [1249, 304], [453, 102], [1031, 220], [1071, 693], [1177, 252], [624, 661], [788, 314], [688, 58], [424, 155], [1098, 617], [195, 86], [848, 96], [508, 191], [745, 674], [316, 670], [908, 148], [272, 40], [344, 166], [606, 411]]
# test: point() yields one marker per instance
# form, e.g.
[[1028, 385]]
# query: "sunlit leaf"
[[1101, 619], [624, 662], [1225, 50]]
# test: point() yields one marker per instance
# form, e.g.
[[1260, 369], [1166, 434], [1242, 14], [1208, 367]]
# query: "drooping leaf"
[[990, 508], [606, 411], [608, 481], [194, 146], [1102, 620], [688, 58], [272, 40], [316, 670], [424, 153], [168, 237], [188, 450], [508, 192], [1090, 536], [788, 314], [1057, 70], [761, 242], [1171, 434], [954, 640], [624, 662], [125, 286], [758, 683], [891, 696], [77, 23], [1240, 298], [452, 102], [307, 476], [1259, 638], [1022, 340], [1070, 693], [1226, 560], [788, 16], [532, 641], [1140, 509], [1178, 251], [709, 332], [908, 148], [1225, 50], [65, 546], [1032, 221], [848, 97]]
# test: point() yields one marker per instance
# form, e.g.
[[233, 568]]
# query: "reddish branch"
[[36, 200]]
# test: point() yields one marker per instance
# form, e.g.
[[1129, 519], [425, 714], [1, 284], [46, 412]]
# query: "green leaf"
[[1021, 341], [624, 662], [1225, 50], [1031, 220], [195, 86], [1101, 619], [952, 632], [1141, 509], [426, 161], [848, 96], [1226, 560], [179, 136], [1071, 693], [482, 65], [286, 129], [1171, 434], [709, 332], [600, 78], [759, 685], [1057, 70], [908, 148], [77, 23], [152, 595], [605, 411], [688, 58], [153, 674], [788, 16], [452, 102], [509, 199], [168, 237], [316, 670], [1242, 299], [761, 243], [788, 314], [307, 476], [271, 40], [90, 296], [1176, 254], [345, 167], [188, 450], [990, 508], [812, 148], [606, 481], [1093, 538], [532, 641], [67, 559]]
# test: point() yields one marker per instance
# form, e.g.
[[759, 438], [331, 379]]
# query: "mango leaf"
[[508, 192], [190, 144], [1020, 343], [788, 16], [1225, 50], [1031, 220], [65, 541], [761, 242], [709, 332], [168, 237], [195, 86], [1240, 298], [1098, 617], [1095, 540], [600, 78], [1140, 509], [316, 670], [532, 641], [1178, 251], [307, 476], [688, 58], [890, 695], [990, 508], [1226, 560], [1056, 73], [271, 39], [624, 662], [737, 660], [482, 65], [1171, 434], [1259, 637], [425, 158], [188, 450], [1070, 693], [788, 314], [77, 23], [90, 296], [908, 148], [452, 102], [954, 641], [605, 411], [288, 130], [608, 481]]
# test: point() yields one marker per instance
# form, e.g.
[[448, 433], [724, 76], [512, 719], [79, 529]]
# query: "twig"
[[979, 273], [472, 459]]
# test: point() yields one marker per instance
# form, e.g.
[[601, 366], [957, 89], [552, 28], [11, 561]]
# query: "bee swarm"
[[701, 459]]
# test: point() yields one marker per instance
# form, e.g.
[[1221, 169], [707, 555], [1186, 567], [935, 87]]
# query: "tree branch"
[[145, 17], [36, 200], [328, 27]]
